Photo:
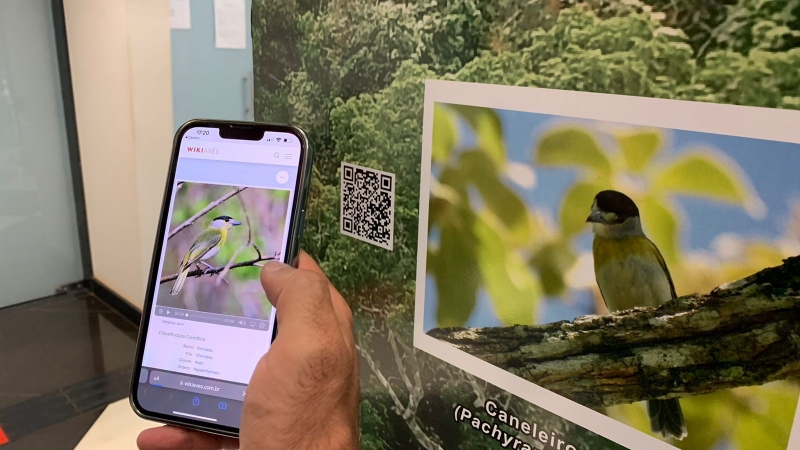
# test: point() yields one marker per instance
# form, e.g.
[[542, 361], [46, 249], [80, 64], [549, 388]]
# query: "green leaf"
[[572, 147], [500, 199], [576, 206], [455, 269], [511, 285], [488, 130], [448, 194], [662, 224], [710, 175], [639, 147], [444, 134], [551, 262], [453, 177]]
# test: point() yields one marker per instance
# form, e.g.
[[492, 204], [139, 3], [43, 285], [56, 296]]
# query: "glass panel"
[[39, 247]]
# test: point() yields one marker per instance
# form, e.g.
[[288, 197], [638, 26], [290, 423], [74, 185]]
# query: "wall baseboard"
[[109, 296]]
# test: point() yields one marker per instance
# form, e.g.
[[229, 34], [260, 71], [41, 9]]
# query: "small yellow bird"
[[205, 247], [630, 272]]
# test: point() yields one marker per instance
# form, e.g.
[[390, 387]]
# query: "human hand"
[[304, 392]]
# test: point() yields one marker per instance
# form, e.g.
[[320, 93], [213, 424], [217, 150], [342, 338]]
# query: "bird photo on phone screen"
[[631, 272], [204, 247]]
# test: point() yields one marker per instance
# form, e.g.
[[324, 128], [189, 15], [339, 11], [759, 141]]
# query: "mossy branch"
[[197, 273], [741, 334]]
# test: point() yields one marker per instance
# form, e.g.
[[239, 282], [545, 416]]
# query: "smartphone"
[[235, 198]]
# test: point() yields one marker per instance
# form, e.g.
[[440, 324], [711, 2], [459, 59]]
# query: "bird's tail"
[[179, 281], [666, 418]]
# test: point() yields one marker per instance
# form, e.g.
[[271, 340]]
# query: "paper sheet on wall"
[[229, 23], [180, 15]]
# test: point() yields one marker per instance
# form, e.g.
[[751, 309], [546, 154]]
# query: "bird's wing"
[[595, 246], [207, 240], [604, 297], [666, 270]]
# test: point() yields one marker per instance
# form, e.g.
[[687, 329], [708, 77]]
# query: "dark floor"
[[62, 360]]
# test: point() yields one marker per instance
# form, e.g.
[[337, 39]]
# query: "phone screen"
[[209, 319]]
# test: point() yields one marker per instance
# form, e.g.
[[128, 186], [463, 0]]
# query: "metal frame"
[[71, 125]]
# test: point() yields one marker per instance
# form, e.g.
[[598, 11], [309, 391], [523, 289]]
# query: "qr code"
[[367, 211]]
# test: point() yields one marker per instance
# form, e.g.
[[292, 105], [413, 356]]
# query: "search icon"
[[275, 154]]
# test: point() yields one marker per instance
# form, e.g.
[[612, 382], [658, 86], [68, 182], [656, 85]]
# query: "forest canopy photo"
[[352, 73]]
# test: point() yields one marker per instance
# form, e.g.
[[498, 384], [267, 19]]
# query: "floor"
[[62, 360]]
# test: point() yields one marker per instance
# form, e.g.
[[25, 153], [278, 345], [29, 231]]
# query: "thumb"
[[301, 297]]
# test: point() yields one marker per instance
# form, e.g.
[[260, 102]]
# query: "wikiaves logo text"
[[210, 151]]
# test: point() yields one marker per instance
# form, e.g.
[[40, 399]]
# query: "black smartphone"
[[235, 199]]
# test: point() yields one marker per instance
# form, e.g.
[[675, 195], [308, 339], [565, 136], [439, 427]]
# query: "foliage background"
[[243, 295], [351, 73]]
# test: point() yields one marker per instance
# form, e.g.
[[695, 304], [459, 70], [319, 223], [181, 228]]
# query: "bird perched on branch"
[[205, 247], [630, 272]]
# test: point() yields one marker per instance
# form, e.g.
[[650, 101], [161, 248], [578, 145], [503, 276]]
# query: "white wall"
[[121, 74]]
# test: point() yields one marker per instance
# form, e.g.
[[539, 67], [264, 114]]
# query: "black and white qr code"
[[367, 211]]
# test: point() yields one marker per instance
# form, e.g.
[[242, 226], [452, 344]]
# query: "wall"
[[128, 71], [38, 231], [121, 73], [209, 82]]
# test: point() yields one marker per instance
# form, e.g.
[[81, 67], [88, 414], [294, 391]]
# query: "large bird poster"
[[606, 244], [500, 301]]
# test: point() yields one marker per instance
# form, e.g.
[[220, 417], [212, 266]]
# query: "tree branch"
[[407, 412], [740, 334], [200, 272], [204, 211]]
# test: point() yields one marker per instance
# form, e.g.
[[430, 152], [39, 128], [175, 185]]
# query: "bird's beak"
[[595, 217], [235, 222]]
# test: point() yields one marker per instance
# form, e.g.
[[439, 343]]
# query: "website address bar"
[[217, 388], [247, 153]]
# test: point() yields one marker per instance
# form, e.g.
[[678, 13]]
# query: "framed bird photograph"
[[219, 238], [630, 264]]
